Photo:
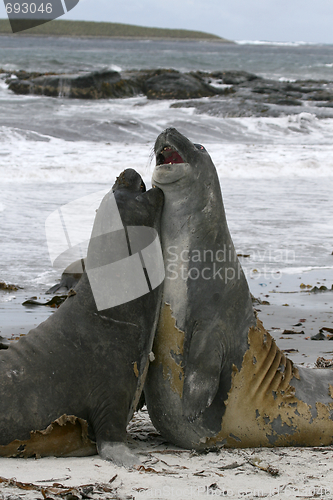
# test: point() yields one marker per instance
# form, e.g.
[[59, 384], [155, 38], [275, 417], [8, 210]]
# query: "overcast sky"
[[272, 20]]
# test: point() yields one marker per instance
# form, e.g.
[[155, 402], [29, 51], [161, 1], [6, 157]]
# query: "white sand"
[[175, 474], [171, 473]]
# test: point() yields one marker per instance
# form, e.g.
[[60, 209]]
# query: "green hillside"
[[109, 30]]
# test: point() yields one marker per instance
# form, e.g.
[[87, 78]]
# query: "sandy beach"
[[172, 473], [168, 472]]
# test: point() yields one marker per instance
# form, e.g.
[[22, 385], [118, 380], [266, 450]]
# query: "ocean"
[[276, 172]]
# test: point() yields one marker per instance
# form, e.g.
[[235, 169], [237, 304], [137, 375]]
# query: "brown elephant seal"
[[86, 364], [218, 378]]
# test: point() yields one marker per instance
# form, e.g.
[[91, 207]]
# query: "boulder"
[[171, 84]]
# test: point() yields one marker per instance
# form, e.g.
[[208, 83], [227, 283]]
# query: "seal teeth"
[[168, 156]]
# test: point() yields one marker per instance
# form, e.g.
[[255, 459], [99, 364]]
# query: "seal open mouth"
[[168, 156]]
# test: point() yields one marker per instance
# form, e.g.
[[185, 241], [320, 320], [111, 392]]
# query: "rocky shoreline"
[[229, 93]]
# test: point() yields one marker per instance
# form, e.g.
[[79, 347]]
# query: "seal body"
[[85, 360], [206, 308], [207, 327]]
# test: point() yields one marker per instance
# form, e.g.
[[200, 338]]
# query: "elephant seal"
[[70, 277], [218, 377], [87, 363]]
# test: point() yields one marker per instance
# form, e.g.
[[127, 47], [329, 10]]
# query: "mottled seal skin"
[[206, 308], [218, 378], [80, 361]]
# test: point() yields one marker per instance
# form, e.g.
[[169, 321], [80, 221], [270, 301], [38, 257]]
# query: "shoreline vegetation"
[[109, 30]]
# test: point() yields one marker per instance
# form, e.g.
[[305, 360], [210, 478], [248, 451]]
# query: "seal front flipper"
[[118, 453], [202, 372]]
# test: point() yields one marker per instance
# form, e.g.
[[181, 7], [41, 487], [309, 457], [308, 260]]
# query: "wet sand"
[[289, 304]]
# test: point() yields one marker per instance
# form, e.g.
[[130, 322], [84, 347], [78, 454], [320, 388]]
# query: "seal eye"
[[198, 146]]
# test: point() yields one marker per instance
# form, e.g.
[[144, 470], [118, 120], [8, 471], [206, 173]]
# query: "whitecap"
[[114, 67], [287, 80], [305, 269], [7, 298], [279, 44]]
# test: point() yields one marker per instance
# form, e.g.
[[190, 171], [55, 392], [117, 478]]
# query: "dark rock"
[[20, 86], [284, 101], [4, 343], [234, 77], [87, 86], [325, 105], [97, 78], [321, 95], [230, 107], [319, 336], [94, 85], [175, 85], [232, 93], [266, 89]]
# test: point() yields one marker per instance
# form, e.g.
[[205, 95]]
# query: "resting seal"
[[89, 360], [70, 277], [218, 376]]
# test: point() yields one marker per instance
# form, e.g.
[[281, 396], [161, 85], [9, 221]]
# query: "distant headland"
[[109, 30]]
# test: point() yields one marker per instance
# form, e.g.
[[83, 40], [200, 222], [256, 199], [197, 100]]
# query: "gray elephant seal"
[[218, 378], [87, 363], [70, 277]]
